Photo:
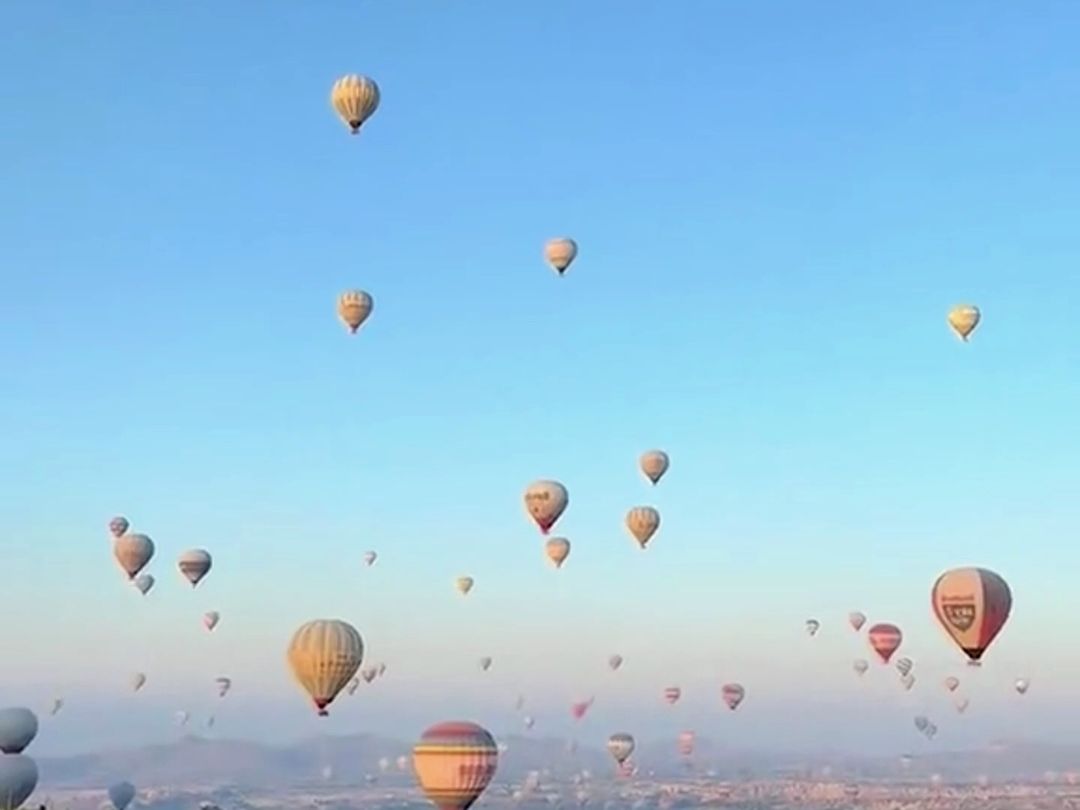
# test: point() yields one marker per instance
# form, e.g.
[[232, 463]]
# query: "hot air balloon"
[[972, 604], [963, 319], [144, 582], [686, 743], [654, 463], [464, 585], [672, 695], [354, 98], [18, 778], [485, 663], [121, 794], [922, 723], [1022, 685], [904, 665], [194, 564], [381, 669], [620, 746], [369, 674], [324, 656], [856, 620], [885, 639], [18, 727], [181, 718], [559, 253], [579, 709], [615, 662], [732, 695], [384, 764], [402, 763], [528, 721], [557, 550], [860, 666], [907, 681], [210, 619], [961, 704], [118, 526], [223, 685], [643, 521], [353, 308], [951, 683], [812, 626], [545, 501], [454, 762], [133, 552], [369, 558], [138, 680], [354, 684], [57, 705]]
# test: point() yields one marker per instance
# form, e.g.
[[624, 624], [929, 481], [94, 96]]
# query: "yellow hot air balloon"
[[454, 762], [464, 585], [324, 656], [557, 550], [643, 521], [963, 319], [354, 307], [354, 98], [654, 464], [972, 605], [560, 253]]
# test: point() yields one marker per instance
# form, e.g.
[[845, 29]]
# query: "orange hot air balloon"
[[885, 640], [454, 762], [972, 605]]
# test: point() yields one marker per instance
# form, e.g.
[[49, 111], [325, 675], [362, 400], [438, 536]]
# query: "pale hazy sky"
[[776, 206]]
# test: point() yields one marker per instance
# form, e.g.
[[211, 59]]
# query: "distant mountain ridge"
[[196, 761]]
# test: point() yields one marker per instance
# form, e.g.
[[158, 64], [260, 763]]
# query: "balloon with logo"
[[642, 522], [972, 605], [545, 501]]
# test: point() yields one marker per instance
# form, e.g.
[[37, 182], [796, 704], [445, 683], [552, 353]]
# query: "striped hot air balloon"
[[885, 639], [672, 695], [972, 605], [324, 656], [454, 762]]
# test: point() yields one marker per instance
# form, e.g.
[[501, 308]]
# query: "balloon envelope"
[[454, 762], [133, 552], [194, 564], [557, 550], [642, 522], [620, 746], [963, 319], [18, 727], [972, 605], [324, 655], [211, 619], [856, 620], [885, 639], [353, 308], [545, 501], [144, 582], [121, 794], [355, 99], [560, 253], [654, 463], [18, 778]]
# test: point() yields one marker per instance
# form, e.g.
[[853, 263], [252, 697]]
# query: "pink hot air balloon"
[[885, 639], [210, 619], [733, 694], [578, 710], [672, 695], [686, 743]]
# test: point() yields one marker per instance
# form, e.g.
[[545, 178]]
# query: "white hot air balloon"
[[1022, 685], [370, 557], [355, 98], [18, 778], [138, 681], [18, 727], [860, 666], [143, 583], [121, 794]]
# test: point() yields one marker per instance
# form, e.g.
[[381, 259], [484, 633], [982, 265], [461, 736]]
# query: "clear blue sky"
[[775, 206]]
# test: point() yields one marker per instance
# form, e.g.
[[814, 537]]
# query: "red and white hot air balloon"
[[972, 605], [885, 639], [672, 695], [733, 694], [545, 501], [579, 709]]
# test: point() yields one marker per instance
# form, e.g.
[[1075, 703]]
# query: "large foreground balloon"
[[642, 522], [545, 501], [560, 253], [133, 552], [885, 639], [733, 694], [354, 98], [121, 794], [904, 666], [972, 604], [18, 778], [194, 564], [557, 550], [620, 746], [354, 307], [454, 762], [654, 463], [963, 319], [18, 727], [324, 656]]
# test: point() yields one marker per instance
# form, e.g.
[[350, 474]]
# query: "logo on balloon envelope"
[[962, 617], [477, 771]]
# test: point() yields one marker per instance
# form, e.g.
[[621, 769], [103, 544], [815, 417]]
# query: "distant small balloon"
[[963, 320], [57, 705], [642, 522], [885, 639], [369, 558], [529, 722], [133, 552], [353, 308], [904, 665], [812, 626], [654, 463], [18, 727], [620, 746], [961, 704], [138, 681], [951, 683], [485, 663], [615, 662], [143, 583], [118, 526], [856, 620], [545, 501], [1022, 685], [194, 564], [672, 695], [223, 685], [354, 684], [557, 550], [860, 666], [907, 681], [560, 253], [121, 794], [355, 98], [579, 709], [464, 585], [210, 619]]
